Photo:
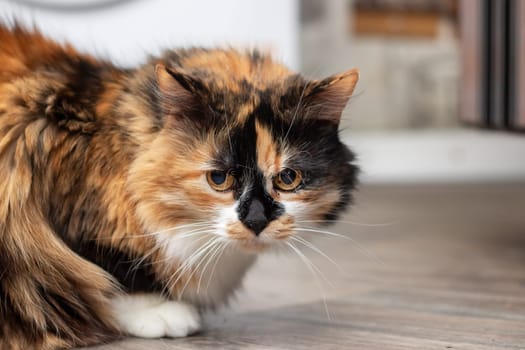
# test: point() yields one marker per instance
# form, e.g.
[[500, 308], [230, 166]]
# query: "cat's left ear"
[[327, 98], [179, 91]]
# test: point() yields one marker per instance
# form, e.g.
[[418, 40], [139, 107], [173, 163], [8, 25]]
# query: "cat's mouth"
[[246, 239]]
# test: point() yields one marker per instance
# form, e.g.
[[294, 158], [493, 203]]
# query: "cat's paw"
[[150, 316]]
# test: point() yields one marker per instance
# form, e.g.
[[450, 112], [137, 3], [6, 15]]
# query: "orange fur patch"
[[268, 158]]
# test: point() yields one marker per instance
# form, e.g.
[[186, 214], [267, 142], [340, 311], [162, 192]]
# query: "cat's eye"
[[220, 180], [288, 179]]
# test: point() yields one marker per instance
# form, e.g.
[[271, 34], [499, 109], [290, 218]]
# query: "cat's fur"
[[103, 174]]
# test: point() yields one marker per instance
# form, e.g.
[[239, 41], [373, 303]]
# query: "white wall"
[[454, 155], [129, 30]]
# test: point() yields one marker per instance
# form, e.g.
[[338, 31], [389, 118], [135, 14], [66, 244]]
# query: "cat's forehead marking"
[[268, 158], [247, 109]]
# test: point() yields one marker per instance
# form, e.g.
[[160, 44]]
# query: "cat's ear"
[[179, 91], [327, 98]]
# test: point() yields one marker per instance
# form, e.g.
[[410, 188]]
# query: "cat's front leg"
[[152, 316]]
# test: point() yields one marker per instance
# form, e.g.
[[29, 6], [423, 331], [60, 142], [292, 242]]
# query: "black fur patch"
[[133, 273]]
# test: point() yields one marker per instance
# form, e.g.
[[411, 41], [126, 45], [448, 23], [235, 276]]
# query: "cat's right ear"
[[327, 98], [179, 92]]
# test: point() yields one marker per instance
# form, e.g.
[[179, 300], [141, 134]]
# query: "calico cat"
[[132, 199]]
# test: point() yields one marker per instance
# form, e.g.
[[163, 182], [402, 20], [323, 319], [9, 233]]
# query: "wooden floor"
[[451, 276]]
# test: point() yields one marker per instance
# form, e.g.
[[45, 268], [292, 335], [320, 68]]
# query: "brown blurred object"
[[472, 92], [492, 83], [404, 24], [518, 87], [401, 18]]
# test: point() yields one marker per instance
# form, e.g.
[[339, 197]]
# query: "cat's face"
[[251, 159]]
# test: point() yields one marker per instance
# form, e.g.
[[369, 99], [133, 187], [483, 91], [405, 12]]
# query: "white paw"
[[151, 316]]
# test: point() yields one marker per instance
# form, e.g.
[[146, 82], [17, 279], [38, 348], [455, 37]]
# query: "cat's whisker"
[[360, 247], [310, 267], [317, 250], [178, 227], [222, 249], [170, 258], [202, 260], [180, 270], [184, 235], [187, 264], [204, 235], [195, 232], [135, 266], [138, 262], [203, 255], [216, 252], [173, 228], [349, 222]]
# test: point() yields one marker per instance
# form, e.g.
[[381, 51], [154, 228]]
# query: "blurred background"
[[432, 256], [441, 92]]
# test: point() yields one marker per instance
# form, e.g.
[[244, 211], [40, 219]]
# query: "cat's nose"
[[256, 219]]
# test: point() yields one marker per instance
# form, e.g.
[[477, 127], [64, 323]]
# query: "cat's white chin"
[[254, 245]]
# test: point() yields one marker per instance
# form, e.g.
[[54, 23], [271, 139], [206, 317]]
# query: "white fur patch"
[[151, 316], [226, 216], [298, 210], [219, 265]]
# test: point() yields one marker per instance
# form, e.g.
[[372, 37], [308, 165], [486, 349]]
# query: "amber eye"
[[220, 180], [288, 179]]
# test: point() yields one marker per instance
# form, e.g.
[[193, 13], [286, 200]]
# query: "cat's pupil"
[[218, 177], [288, 176]]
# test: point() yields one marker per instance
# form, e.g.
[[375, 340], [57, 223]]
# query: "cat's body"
[[170, 177]]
